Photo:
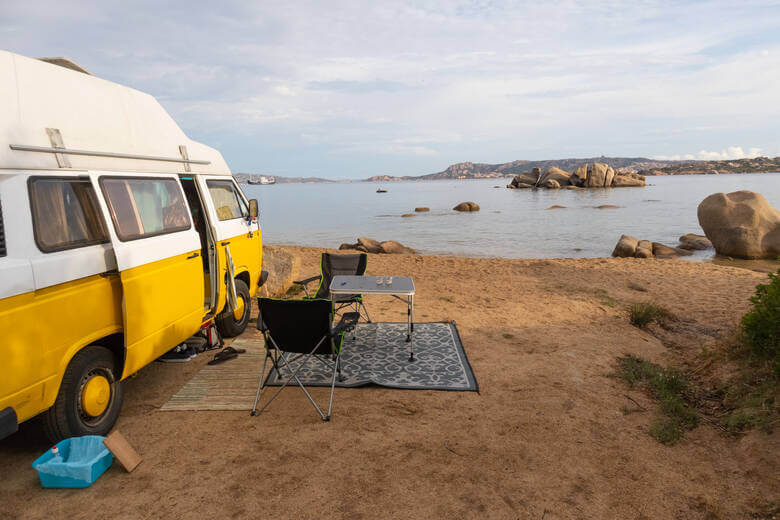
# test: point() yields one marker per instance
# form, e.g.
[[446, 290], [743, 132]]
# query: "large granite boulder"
[[282, 267], [628, 179], [626, 247], [694, 242], [597, 174], [556, 174], [579, 175], [552, 184], [741, 224], [368, 245], [467, 206]]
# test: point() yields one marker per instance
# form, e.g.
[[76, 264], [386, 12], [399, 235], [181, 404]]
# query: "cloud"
[[732, 152], [432, 82]]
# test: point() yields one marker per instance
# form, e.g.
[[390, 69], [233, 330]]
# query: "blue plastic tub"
[[84, 459]]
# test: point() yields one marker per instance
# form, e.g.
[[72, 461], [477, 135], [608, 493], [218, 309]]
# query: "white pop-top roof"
[[91, 114]]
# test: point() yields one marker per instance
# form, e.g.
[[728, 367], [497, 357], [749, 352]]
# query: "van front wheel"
[[232, 323], [89, 399]]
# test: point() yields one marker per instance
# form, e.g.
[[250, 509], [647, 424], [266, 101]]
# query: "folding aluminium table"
[[399, 287]]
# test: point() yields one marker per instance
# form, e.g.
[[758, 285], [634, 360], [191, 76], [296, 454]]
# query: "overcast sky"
[[354, 89]]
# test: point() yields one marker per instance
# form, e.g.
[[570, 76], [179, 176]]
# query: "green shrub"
[[761, 325], [643, 314]]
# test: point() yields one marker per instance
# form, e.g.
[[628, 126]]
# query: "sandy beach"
[[544, 438]]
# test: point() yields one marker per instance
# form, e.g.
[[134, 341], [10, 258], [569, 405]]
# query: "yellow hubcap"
[[95, 396], [238, 313]]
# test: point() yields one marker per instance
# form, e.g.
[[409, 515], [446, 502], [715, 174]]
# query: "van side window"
[[2, 232], [227, 201], [65, 213], [143, 207]]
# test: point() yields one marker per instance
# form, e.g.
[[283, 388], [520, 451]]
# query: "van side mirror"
[[253, 211]]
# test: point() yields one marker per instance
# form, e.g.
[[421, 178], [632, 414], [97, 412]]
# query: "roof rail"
[[44, 149]]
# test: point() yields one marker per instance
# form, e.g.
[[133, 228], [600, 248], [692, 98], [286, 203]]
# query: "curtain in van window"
[[226, 201], [65, 214], [142, 207]]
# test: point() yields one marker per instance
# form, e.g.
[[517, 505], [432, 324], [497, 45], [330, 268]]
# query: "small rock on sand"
[[405, 215], [421, 209], [555, 206], [607, 206]]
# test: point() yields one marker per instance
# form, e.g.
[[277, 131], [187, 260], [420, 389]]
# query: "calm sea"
[[511, 223]]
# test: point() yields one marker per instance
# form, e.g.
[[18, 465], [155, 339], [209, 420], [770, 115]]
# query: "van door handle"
[[226, 242], [193, 255]]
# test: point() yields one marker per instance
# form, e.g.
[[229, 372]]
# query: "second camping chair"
[[304, 329], [333, 265]]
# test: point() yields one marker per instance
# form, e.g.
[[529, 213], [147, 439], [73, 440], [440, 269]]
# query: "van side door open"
[[157, 253]]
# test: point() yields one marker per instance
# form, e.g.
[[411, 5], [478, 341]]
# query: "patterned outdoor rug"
[[380, 355]]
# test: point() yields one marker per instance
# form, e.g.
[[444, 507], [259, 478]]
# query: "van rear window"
[[144, 207], [2, 232], [65, 213]]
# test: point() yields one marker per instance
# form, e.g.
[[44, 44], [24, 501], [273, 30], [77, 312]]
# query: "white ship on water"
[[263, 180]]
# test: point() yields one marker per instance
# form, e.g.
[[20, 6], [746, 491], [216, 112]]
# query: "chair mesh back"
[[334, 265], [297, 325]]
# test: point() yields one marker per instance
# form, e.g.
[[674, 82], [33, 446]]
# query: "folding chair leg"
[[337, 368], [289, 379], [261, 384]]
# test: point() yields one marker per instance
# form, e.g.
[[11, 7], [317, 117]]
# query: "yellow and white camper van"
[[119, 239]]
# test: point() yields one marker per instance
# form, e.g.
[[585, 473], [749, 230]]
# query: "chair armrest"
[[307, 280], [348, 322]]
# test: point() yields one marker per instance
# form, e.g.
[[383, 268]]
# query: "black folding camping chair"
[[333, 265], [297, 331]]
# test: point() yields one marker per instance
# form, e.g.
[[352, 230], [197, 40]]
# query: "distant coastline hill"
[[469, 170], [641, 165], [243, 178], [754, 165]]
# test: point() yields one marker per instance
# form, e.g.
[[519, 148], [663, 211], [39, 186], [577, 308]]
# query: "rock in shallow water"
[[694, 242], [644, 249], [626, 247], [467, 206]]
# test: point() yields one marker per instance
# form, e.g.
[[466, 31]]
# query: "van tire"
[[65, 419], [227, 324]]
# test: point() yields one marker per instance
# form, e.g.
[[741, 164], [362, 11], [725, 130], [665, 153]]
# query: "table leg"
[[410, 327]]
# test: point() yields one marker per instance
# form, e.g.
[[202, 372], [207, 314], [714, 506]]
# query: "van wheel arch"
[[116, 344], [80, 407]]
